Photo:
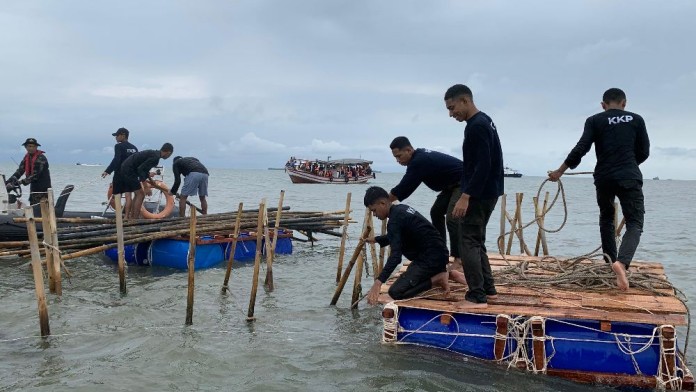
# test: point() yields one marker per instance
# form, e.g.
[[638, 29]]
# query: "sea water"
[[102, 340]]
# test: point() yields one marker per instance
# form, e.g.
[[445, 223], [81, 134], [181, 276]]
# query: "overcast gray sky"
[[246, 84]]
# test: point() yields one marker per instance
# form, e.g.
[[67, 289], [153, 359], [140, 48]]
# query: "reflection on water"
[[106, 341]]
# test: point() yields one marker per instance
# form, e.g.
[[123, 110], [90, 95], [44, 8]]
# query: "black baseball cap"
[[31, 140], [121, 131]]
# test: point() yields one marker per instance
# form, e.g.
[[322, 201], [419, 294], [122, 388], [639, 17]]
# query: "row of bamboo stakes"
[[54, 258]]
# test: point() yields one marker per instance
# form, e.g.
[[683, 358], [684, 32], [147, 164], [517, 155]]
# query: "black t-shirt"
[[411, 235], [621, 144], [185, 166], [122, 151], [483, 159], [436, 170], [139, 164]]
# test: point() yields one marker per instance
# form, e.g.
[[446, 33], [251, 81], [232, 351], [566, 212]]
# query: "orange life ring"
[[168, 207]]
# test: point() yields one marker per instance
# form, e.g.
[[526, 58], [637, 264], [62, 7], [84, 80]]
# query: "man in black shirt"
[[413, 236], [34, 168], [621, 144], [439, 172], [195, 182], [122, 150], [481, 184], [136, 169]]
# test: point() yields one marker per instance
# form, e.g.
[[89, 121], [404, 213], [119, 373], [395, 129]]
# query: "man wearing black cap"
[[122, 150], [34, 167], [136, 169], [195, 182]]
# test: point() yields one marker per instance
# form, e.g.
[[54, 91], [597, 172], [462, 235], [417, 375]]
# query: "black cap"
[[31, 140], [121, 131]]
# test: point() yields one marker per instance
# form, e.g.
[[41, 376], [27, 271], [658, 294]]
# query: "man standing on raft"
[[621, 144]]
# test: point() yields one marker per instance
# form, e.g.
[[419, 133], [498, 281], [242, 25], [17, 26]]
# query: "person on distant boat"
[[409, 234], [195, 182], [621, 144], [136, 169], [439, 172], [122, 150], [482, 182], [34, 168]]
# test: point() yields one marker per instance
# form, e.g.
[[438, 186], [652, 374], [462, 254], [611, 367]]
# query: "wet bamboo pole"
[[47, 240], [503, 212], [120, 245], [191, 266], [274, 242], [513, 226], [257, 262], [344, 236], [267, 248], [357, 281], [55, 250], [37, 271], [351, 263], [544, 245], [233, 249], [373, 249]]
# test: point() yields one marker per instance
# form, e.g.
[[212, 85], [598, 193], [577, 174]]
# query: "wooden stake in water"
[[37, 271], [502, 222], [54, 243], [274, 242], [233, 249], [191, 266], [119, 240], [257, 261], [373, 247], [47, 239], [344, 236], [357, 286], [351, 263]]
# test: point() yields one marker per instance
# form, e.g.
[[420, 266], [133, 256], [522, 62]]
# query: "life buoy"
[[168, 207], [147, 188]]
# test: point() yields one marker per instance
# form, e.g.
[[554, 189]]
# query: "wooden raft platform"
[[633, 305]]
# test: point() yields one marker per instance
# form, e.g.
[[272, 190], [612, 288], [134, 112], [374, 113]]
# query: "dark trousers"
[[630, 194], [441, 216], [477, 269], [416, 279]]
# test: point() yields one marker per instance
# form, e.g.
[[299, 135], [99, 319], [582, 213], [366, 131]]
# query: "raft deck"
[[603, 312]]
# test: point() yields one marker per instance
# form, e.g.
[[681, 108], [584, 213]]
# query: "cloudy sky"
[[246, 84]]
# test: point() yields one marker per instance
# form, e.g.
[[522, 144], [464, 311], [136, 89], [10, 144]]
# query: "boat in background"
[[88, 164], [337, 171], [510, 172]]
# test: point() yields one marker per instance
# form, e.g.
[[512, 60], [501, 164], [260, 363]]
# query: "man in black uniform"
[[621, 144], [136, 169], [34, 168], [122, 150], [481, 185], [411, 235], [195, 182], [439, 172]]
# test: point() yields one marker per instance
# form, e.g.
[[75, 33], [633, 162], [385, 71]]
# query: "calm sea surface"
[[105, 341]]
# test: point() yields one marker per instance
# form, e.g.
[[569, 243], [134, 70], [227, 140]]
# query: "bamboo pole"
[[357, 282], [513, 226], [120, 245], [257, 262], [346, 273], [37, 271], [47, 240], [344, 236], [544, 245], [274, 242], [233, 249], [537, 219], [191, 267], [54, 243], [503, 212], [267, 248], [520, 223], [373, 249]]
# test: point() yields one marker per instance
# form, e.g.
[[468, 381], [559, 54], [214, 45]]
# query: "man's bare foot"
[[493, 297], [457, 265], [620, 270], [465, 305], [441, 280], [457, 277]]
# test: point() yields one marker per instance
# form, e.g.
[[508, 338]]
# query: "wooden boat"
[[210, 250], [611, 337], [338, 171]]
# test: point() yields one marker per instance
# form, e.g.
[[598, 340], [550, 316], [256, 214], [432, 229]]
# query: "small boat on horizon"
[[337, 171], [510, 172], [88, 164]]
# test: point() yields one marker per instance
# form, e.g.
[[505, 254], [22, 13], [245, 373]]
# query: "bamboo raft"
[[608, 337]]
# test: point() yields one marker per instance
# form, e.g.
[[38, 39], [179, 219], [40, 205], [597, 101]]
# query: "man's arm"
[[642, 143], [576, 154], [177, 178], [143, 169], [39, 167], [20, 171], [115, 162], [480, 139], [408, 184]]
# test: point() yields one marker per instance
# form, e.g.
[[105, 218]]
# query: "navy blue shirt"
[[122, 151], [621, 144], [411, 235], [436, 170], [482, 177], [139, 164]]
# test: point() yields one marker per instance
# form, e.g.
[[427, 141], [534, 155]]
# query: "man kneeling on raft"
[[413, 236]]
